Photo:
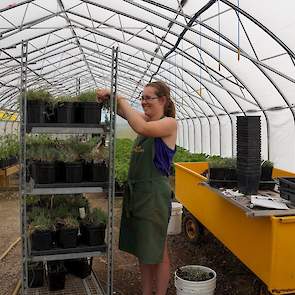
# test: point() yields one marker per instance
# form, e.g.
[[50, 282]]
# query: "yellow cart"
[[264, 241]]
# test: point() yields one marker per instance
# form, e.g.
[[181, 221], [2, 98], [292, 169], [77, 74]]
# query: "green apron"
[[144, 220]]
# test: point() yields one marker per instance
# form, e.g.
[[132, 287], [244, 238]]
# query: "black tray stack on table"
[[248, 153]]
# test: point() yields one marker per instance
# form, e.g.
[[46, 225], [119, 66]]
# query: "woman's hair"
[[162, 89]]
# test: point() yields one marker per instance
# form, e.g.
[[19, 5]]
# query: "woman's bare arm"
[[106, 93], [160, 128]]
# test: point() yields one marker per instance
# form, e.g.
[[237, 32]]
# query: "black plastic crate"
[[287, 188]]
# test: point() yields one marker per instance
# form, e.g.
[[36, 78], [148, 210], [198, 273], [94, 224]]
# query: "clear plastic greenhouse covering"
[[222, 59]]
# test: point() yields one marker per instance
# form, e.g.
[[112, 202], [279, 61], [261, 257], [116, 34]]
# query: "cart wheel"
[[260, 288], [264, 290], [191, 228]]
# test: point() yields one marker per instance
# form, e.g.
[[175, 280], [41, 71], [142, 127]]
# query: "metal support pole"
[[22, 161], [78, 86], [112, 142]]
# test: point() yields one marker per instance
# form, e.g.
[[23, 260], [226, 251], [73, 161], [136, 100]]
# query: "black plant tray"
[[69, 184], [65, 125], [222, 180], [79, 249], [212, 181]]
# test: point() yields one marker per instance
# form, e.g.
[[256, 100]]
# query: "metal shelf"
[[63, 190], [65, 256], [29, 188], [60, 128]]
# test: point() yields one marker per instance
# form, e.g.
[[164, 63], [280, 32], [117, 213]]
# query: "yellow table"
[[266, 244]]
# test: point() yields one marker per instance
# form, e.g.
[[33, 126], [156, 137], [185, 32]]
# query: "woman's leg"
[[163, 273], [147, 278]]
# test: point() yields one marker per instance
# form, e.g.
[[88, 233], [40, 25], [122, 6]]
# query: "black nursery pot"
[[51, 114], [60, 171], [95, 172], [36, 275], [78, 267], [266, 175], [65, 112], [2, 163], [287, 188], [67, 238], [41, 240], [43, 172], [36, 111], [56, 276], [74, 172], [91, 112], [12, 161], [93, 235], [99, 172], [248, 184], [216, 174]]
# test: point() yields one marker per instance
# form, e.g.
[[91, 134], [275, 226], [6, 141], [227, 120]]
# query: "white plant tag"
[[82, 212]]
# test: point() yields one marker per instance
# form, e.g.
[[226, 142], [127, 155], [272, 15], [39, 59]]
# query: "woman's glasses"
[[148, 98]]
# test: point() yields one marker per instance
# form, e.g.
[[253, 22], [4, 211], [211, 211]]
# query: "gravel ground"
[[9, 232], [233, 277]]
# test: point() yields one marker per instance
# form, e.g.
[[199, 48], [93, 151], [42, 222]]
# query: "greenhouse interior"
[[81, 133]]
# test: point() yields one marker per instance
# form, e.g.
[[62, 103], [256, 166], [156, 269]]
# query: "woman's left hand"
[[103, 94]]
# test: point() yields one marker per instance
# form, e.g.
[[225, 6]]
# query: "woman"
[[147, 204]]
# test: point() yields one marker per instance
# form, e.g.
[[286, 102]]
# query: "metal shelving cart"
[[90, 285]]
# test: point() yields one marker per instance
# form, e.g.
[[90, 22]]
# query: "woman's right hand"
[[103, 95]]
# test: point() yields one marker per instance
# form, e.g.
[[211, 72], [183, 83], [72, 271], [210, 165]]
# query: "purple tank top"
[[163, 156]]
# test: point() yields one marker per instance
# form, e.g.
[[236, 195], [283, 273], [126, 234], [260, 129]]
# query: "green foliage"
[[40, 222], [36, 212], [96, 217], [216, 162], [9, 146], [219, 162], [99, 154], [68, 156], [65, 98], [122, 159], [32, 200], [64, 206], [45, 148], [41, 147], [87, 96], [267, 163], [41, 95], [194, 274], [70, 223], [230, 163], [61, 212], [183, 155]]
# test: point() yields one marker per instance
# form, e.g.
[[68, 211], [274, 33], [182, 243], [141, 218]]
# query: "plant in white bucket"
[[195, 280]]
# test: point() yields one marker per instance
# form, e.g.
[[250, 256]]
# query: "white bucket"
[[184, 287], [174, 226]]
